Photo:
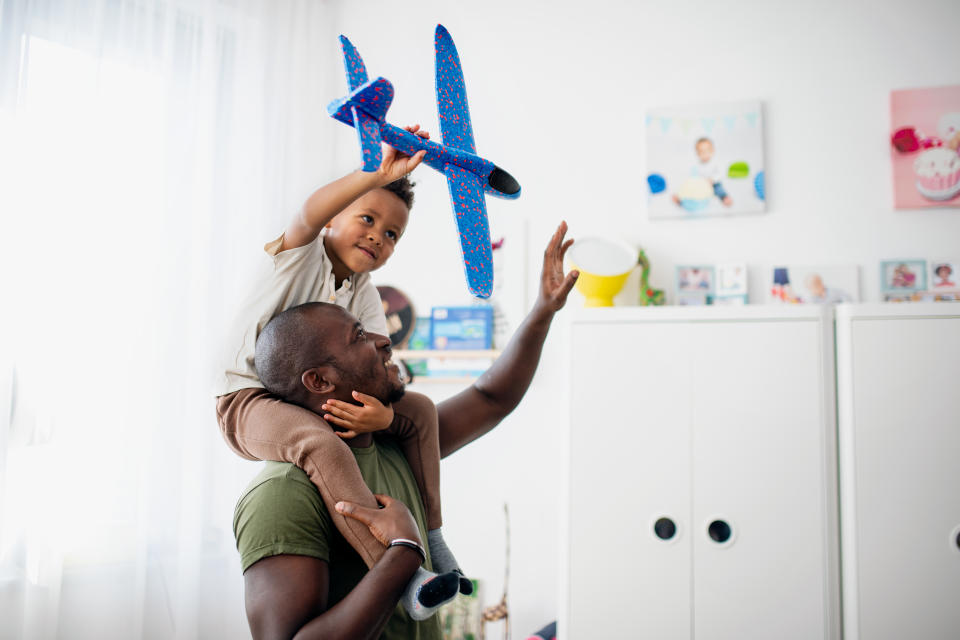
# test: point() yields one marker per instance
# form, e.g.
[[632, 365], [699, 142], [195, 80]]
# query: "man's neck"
[[361, 441]]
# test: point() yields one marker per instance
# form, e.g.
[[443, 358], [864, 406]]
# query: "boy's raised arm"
[[481, 406], [329, 200]]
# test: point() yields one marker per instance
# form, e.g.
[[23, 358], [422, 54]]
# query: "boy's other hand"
[[370, 416], [395, 164], [554, 286]]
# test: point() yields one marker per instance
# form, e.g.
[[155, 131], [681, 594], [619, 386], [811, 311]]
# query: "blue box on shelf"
[[463, 328]]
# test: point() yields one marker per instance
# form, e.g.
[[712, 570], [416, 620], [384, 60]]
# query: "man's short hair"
[[292, 342], [403, 189]]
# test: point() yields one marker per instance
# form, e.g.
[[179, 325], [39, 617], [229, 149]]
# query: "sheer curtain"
[[147, 150]]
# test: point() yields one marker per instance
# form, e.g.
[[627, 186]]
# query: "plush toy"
[[648, 295], [468, 175]]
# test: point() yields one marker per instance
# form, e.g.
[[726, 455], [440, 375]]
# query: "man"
[[300, 577]]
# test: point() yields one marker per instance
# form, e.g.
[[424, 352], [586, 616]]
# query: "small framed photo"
[[695, 279], [897, 276], [815, 285], [943, 275], [731, 280]]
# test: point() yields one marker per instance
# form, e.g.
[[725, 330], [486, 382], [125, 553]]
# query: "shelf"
[[423, 354]]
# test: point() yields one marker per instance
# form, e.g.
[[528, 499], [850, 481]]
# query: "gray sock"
[[426, 592], [440, 554], [444, 561]]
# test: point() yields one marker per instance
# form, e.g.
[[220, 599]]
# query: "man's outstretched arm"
[[479, 408], [286, 595]]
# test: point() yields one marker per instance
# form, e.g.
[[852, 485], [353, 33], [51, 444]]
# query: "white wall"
[[558, 93]]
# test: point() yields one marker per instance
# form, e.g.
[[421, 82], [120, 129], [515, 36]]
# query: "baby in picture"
[[708, 169], [942, 273], [903, 278]]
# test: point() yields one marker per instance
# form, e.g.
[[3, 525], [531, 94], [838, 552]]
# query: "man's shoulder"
[[281, 512], [282, 484]]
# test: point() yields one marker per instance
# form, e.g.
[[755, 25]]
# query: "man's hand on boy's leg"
[[370, 415], [395, 164]]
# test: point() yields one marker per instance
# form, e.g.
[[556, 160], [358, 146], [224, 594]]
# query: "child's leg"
[[258, 425], [416, 426]]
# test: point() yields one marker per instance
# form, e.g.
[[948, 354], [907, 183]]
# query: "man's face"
[[362, 237], [363, 360]]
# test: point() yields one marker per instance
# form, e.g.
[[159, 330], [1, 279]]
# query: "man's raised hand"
[[554, 286]]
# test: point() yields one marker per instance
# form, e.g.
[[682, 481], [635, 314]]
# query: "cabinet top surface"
[[898, 310], [761, 313], [702, 313]]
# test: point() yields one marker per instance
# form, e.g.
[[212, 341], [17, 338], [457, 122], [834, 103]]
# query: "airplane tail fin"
[[365, 109]]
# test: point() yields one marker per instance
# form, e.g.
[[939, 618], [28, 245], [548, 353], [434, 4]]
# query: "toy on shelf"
[[468, 175], [648, 295], [604, 266]]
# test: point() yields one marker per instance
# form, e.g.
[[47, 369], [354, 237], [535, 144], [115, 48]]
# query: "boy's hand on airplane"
[[554, 286], [370, 415], [396, 164]]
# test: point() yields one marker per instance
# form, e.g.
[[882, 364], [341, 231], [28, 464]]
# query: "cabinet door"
[[905, 403], [629, 466], [762, 442]]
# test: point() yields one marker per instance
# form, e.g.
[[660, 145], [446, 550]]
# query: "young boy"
[[345, 230]]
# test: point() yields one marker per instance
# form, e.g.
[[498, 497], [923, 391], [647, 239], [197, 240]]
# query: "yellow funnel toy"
[[604, 266]]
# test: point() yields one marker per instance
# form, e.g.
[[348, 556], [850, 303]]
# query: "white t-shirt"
[[286, 279], [709, 170]]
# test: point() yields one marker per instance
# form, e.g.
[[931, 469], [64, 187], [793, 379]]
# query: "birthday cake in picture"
[[938, 173]]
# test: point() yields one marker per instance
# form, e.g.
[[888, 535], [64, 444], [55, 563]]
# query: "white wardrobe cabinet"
[[702, 476], [898, 369]]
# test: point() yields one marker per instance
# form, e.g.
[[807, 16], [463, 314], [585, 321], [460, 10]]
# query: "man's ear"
[[319, 380]]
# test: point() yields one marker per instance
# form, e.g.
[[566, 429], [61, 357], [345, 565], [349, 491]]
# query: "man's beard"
[[383, 391]]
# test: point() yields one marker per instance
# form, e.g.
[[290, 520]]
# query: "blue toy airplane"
[[468, 175]]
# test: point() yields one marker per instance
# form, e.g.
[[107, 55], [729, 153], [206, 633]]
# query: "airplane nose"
[[503, 182]]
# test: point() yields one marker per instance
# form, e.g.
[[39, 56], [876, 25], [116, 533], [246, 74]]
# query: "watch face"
[[400, 315]]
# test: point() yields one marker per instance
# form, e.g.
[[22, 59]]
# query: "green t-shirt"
[[281, 512]]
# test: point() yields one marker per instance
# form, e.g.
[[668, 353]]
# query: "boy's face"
[[363, 236], [704, 150]]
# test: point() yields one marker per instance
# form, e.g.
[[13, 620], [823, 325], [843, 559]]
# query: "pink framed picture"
[[925, 147]]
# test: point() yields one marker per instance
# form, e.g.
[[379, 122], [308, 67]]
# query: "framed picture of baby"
[[900, 276], [925, 147], [944, 276], [705, 160], [814, 285], [694, 284]]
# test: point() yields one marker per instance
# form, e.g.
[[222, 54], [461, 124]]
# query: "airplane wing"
[[356, 71], [455, 128], [470, 209]]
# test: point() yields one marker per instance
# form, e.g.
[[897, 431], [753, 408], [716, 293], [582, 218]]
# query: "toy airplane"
[[468, 175]]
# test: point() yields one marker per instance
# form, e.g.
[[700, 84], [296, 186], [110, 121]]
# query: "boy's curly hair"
[[403, 189]]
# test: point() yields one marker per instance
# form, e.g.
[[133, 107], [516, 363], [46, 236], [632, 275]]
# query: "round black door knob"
[[665, 528], [719, 531]]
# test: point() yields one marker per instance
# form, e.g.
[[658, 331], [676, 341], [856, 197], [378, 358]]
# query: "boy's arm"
[[329, 200], [479, 408]]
